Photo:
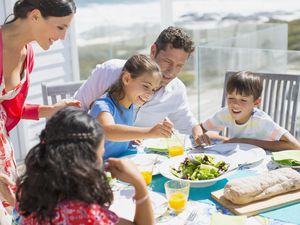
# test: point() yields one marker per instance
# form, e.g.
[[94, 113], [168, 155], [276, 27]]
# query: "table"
[[200, 199]]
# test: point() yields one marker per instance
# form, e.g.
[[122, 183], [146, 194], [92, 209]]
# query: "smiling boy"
[[245, 122]]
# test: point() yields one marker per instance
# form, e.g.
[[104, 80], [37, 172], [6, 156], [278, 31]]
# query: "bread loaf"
[[250, 189]]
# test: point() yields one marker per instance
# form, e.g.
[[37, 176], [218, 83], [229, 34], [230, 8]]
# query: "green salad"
[[206, 168]]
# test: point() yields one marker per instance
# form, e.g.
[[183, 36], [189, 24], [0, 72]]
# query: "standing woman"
[[43, 21]]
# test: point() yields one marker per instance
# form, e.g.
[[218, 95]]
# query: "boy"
[[245, 122]]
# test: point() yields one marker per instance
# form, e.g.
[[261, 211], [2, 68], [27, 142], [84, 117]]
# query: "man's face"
[[171, 61]]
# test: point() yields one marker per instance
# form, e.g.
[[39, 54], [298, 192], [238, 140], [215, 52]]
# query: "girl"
[[139, 79], [64, 182], [43, 21]]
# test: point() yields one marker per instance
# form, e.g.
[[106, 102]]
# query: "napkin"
[[220, 219], [156, 145], [289, 158]]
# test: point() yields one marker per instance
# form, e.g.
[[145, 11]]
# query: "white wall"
[[57, 65]]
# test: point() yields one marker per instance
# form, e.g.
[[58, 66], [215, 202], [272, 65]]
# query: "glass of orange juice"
[[176, 145], [146, 169], [177, 194]]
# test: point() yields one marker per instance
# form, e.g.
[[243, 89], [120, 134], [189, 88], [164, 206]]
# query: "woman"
[[43, 21]]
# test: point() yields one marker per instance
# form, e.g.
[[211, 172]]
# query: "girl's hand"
[[6, 189], [162, 130], [125, 170]]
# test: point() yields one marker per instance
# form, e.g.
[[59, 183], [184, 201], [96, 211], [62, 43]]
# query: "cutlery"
[[191, 217]]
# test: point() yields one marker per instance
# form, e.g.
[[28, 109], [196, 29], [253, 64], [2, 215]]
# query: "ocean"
[[98, 15]]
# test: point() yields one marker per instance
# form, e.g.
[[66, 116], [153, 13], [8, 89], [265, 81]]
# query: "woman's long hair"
[[57, 8], [63, 166]]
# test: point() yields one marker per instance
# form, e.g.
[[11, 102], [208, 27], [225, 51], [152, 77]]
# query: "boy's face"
[[241, 106]]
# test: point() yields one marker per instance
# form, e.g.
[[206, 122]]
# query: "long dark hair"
[[57, 8], [63, 166], [136, 66]]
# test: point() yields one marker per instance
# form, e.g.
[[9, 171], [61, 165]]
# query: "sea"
[[100, 14]]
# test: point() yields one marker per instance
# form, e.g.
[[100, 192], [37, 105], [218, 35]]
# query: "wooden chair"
[[60, 91], [280, 98]]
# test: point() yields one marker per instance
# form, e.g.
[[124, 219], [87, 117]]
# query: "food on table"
[[206, 168], [287, 158], [177, 201], [147, 176], [266, 185], [175, 150]]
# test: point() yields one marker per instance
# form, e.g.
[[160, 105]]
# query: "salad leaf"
[[207, 169]]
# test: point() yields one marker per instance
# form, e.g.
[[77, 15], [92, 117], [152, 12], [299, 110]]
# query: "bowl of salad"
[[200, 170]]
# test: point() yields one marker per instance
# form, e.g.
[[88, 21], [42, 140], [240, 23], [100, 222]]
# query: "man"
[[171, 50]]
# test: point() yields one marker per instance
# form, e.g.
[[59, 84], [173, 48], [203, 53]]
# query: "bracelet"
[[141, 200]]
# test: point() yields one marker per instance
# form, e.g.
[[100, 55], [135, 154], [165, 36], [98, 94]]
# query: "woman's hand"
[[6, 189], [46, 111], [125, 170], [64, 103]]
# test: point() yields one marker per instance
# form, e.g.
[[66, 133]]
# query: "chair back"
[[280, 98], [54, 93]]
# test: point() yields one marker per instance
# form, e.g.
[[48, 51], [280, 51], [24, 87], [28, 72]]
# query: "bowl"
[[164, 169]]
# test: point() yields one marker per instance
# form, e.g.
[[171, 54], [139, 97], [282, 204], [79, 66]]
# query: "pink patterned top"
[[77, 213]]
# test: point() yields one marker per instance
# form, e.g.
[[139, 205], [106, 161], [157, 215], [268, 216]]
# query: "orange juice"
[[175, 150], [147, 176], [177, 201]]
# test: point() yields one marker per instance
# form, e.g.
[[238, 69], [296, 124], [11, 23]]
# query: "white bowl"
[[164, 169]]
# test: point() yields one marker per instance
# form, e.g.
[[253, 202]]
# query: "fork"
[[191, 217]]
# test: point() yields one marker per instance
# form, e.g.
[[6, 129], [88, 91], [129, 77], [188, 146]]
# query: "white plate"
[[124, 197], [242, 153], [155, 158], [281, 165], [164, 169]]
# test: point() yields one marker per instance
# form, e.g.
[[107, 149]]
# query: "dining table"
[[200, 201]]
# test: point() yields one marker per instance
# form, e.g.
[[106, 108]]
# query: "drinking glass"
[[177, 194]]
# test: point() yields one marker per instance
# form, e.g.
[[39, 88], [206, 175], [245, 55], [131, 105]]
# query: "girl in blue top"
[[140, 78]]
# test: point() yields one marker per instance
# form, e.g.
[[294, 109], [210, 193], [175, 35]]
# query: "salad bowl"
[[172, 167]]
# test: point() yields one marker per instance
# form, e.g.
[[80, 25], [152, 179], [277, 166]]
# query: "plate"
[[164, 169], [241, 153], [123, 197], [155, 158], [286, 152]]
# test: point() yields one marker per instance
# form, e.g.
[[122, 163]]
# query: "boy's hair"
[[175, 38], [136, 66], [245, 83], [64, 166]]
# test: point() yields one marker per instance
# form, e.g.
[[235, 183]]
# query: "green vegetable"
[[208, 168]]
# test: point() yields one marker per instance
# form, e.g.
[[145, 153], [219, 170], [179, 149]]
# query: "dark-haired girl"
[[64, 182], [43, 21], [139, 79]]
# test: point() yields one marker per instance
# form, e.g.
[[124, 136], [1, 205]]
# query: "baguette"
[[250, 189]]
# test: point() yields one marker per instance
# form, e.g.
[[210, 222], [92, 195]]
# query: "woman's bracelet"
[[141, 200]]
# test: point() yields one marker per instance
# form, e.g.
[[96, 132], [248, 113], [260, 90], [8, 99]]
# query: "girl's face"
[[140, 90], [48, 30], [241, 106]]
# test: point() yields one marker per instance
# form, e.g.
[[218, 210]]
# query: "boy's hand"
[[202, 140]]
